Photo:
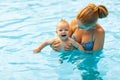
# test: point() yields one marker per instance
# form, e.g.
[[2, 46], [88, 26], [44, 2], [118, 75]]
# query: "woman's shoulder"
[[73, 24], [73, 20], [99, 30]]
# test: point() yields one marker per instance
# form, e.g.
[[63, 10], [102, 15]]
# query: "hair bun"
[[102, 11]]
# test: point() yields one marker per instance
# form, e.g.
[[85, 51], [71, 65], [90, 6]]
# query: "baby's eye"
[[60, 30], [66, 29]]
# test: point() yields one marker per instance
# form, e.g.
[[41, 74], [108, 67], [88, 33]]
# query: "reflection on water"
[[86, 63]]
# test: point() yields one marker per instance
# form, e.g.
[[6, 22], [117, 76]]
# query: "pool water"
[[24, 24]]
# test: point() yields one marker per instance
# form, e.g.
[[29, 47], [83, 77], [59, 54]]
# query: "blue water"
[[24, 24]]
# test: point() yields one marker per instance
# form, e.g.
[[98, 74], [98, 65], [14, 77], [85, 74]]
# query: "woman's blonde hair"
[[91, 13]]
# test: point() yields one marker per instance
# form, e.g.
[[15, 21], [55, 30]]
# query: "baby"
[[62, 31]]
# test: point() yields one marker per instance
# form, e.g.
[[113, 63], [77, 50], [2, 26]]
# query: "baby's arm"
[[76, 45], [42, 45]]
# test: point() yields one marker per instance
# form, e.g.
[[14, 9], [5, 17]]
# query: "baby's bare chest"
[[66, 45]]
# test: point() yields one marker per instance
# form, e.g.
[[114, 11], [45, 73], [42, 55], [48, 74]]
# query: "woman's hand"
[[68, 47], [55, 45]]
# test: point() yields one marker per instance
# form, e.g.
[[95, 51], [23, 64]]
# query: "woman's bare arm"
[[73, 26], [99, 39]]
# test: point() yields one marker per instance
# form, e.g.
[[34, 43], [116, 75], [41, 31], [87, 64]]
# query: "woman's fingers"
[[56, 42], [55, 45], [56, 49], [68, 47]]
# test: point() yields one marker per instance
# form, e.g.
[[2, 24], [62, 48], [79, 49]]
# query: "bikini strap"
[[73, 37], [93, 35]]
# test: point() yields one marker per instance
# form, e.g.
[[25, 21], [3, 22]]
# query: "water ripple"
[[23, 63], [14, 21], [15, 37], [26, 23]]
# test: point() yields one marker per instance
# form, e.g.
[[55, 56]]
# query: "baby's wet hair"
[[63, 20]]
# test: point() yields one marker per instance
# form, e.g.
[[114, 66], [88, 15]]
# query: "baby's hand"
[[36, 50]]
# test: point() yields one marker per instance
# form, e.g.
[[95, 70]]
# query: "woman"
[[85, 29]]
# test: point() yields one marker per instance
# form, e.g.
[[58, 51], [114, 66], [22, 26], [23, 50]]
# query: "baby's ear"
[[56, 31]]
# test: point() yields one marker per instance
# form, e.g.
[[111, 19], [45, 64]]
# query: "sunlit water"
[[24, 24]]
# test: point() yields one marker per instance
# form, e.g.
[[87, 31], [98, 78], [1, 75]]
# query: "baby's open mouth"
[[63, 35]]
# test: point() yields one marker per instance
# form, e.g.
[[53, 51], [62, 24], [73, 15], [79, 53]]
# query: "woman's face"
[[87, 25]]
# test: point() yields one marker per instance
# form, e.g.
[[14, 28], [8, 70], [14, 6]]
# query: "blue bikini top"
[[88, 46]]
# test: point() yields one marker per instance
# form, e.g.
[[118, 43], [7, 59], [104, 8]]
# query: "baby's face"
[[62, 31]]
